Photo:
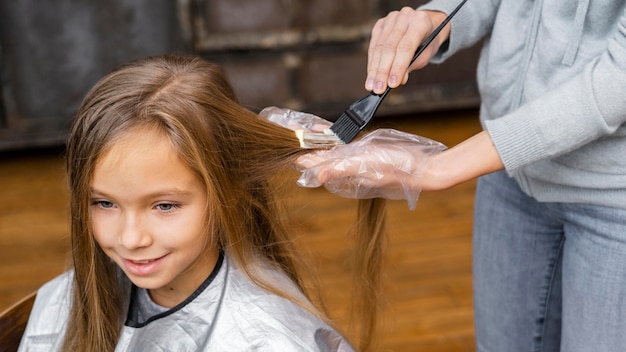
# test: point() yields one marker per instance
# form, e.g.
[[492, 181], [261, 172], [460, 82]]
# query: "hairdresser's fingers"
[[386, 178], [371, 173], [374, 53], [311, 159], [320, 127], [382, 49], [321, 167], [310, 177], [312, 127], [396, 186], [412, 27], [362, 158], [361, 179], [394, 41], [294, 120]]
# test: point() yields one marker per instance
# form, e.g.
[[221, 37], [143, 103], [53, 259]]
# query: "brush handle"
[[362, 110], [432, 35]]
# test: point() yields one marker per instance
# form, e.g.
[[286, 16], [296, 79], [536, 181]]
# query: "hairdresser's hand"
[[394, 40], [294, 120], [384, 164]]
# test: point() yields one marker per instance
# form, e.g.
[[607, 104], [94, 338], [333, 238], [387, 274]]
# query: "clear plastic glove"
[[294, 120], [385, 163], [312, 131]]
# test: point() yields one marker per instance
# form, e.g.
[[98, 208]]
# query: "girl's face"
[[148, 212]]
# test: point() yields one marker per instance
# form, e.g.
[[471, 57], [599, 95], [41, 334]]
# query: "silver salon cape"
[[226, 313]]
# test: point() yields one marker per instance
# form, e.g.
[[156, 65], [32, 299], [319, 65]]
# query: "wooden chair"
[[13, 323]]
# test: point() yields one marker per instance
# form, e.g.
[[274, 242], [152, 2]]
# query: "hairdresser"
[[550, 213]]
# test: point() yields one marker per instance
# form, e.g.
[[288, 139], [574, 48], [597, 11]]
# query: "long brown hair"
[[234, 153]]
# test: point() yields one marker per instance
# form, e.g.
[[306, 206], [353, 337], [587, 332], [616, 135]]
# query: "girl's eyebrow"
[[166, 192], [170, 192], [95, 192]]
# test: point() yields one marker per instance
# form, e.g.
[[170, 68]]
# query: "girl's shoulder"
[[54, 294], [270, 322], [61, 281], [48, 317]]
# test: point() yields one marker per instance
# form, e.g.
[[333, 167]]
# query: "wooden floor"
[[428, 297]]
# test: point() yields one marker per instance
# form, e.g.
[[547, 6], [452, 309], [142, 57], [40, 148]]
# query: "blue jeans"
[[547, 276]]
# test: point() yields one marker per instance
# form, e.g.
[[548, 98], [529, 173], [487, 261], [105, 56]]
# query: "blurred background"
[[304, 55]]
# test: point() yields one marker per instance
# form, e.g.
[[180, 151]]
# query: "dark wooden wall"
[[304, 55]]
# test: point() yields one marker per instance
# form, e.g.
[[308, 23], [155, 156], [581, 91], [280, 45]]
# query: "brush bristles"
[[345, 128]]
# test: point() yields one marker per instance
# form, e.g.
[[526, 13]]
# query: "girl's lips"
[[143, 267]]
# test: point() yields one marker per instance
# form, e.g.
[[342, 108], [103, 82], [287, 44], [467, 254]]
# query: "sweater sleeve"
[[588, 106], [473, 21]]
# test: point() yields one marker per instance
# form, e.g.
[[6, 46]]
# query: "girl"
[[176, 241]]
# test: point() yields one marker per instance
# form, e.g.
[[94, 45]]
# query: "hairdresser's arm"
[[393, 43], [473, 157], [395, 165], [429, 171]]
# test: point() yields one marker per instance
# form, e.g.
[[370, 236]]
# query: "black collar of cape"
[[130, 319]]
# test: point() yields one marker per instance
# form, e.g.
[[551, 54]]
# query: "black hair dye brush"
[[358, 115]]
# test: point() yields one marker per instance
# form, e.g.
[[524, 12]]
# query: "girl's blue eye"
[[167, 207], [104, 204]]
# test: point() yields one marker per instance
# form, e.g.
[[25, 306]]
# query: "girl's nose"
[[134, 234]]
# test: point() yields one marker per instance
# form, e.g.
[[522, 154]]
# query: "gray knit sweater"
[[552, 78]]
